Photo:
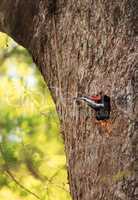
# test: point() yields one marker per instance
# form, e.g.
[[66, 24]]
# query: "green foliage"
[[3, 181], [32, 158]]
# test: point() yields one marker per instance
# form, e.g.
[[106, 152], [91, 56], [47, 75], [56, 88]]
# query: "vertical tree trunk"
[[83, 48]]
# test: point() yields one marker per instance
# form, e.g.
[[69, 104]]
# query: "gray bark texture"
[[83, 48]]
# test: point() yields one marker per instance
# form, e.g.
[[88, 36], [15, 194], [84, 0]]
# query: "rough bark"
[[85, 47]]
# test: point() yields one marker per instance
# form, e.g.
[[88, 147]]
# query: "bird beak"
[[78, 98]]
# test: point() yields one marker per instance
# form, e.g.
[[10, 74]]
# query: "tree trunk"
[[83, 48]]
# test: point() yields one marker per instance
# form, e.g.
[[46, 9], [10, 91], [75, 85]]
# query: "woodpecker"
[[101, 104]]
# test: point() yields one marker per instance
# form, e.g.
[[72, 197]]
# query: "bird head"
[[96, 98]]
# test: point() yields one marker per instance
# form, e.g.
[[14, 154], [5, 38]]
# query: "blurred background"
[[32, 157]]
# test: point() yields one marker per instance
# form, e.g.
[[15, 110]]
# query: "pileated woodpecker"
[[101, 104]]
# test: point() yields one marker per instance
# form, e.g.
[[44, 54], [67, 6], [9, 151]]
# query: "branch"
[[13, 177], [20, 185]]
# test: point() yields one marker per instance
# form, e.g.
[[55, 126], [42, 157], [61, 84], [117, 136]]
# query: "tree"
[[86, 47]]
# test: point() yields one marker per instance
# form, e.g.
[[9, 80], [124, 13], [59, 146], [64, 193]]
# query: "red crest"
[[96, 98]]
